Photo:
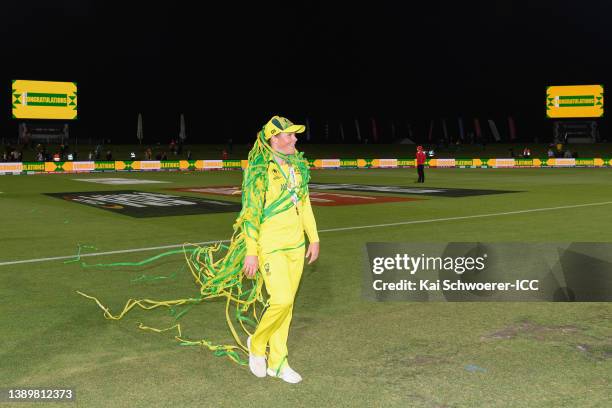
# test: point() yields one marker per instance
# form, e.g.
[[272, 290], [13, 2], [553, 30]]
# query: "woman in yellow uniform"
[[277, 248]]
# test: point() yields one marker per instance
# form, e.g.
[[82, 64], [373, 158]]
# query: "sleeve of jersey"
[[308, 220], [252, 204]]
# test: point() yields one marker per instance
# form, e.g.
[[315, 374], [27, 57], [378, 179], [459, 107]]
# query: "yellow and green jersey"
[[285, 230]]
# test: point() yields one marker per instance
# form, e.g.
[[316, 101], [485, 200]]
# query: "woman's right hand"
[[251, 264]]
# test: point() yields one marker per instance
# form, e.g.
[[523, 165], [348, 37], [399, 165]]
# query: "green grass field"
[[350, 351]]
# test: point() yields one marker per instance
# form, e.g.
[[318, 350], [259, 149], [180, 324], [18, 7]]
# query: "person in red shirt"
[[420, 162]]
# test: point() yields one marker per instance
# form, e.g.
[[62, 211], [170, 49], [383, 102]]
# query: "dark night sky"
[[229, 67]]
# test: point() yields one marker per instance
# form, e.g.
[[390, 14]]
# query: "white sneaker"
[[286, 374], [256, 364]]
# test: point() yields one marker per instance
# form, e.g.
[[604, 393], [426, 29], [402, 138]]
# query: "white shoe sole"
[[272, 373], [251, 364]]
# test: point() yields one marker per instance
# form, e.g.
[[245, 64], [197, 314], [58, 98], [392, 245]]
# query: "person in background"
[[420, 163], [526, 153]]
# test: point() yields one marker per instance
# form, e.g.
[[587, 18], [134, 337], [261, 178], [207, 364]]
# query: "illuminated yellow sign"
[[576, 101], [44, 100]]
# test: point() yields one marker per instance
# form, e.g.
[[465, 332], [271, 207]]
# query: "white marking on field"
[[120, 181], [464, 217], [392, 224], [120, 251]]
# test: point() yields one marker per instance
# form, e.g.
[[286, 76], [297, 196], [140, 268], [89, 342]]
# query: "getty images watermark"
[[468, 271]]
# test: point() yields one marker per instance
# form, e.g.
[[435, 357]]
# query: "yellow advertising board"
[[575, 101], [44, 100]]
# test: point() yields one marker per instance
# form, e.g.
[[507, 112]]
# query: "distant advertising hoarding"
[[349, 163], [212, 164], [33, 167], [232, 164], [406, 162], [149, 165], [44, 100], [503, 163], [104, 166], [387, 163], [199, 165], [330, 163], [526, 163], [11, 168], [562, 162], [442, 162], [462, 162], [575, 101], [86, 166]]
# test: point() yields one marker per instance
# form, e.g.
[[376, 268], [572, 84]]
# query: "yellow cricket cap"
[[279, 124]]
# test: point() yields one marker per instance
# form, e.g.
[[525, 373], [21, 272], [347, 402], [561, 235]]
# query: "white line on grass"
[[120, 251], [392, 224], [464, 217]]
